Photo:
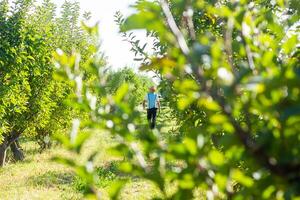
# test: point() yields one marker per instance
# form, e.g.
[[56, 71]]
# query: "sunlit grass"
[[37, 177]]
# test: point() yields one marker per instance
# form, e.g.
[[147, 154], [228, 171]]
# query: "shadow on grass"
[[32, 151], [52, 179]]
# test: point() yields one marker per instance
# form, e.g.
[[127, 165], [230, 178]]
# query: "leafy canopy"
[[231, 70]]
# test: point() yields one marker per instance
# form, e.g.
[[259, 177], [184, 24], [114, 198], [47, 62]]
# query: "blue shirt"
[[152, 100]]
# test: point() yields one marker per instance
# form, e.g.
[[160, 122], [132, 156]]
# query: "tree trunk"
[[3, 148], [17, 151], [8, 141]]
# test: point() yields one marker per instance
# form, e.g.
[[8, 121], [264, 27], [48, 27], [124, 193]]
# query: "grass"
[[37, 177]]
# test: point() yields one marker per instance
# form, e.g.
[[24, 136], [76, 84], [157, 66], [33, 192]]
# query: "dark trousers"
[[151, 116]]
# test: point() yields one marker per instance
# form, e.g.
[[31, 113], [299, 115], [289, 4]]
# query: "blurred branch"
[[248, 52], [228, 43], [188, 14], [259, 153], [182, 43], [174, 28]]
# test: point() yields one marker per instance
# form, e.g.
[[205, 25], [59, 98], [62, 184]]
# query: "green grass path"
[[37, 177]]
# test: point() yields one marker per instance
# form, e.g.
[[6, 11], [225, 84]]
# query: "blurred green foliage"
[[231, 72]]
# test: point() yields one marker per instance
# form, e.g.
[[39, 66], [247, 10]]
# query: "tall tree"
[[32, 101]]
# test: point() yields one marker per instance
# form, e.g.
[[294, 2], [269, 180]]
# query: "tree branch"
[[174, 28]]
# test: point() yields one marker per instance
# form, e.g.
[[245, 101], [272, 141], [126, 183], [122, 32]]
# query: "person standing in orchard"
[[153, 104]]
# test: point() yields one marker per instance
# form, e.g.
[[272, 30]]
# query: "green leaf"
[[126, 167], [187, 182], [145, 20], [241, 178], [216, 158], [221, 180], [115, 189], [289, 45], [121, 93], [190, 145], [268, 192], [218, 119], [31, 58], [80, 139]]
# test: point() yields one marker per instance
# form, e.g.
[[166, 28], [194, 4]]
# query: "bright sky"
[[115, 49]]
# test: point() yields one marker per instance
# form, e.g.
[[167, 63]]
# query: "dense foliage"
[[231, 71], [31, 101]]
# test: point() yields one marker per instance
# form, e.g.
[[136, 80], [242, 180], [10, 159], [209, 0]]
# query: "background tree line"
[[33, 98], [32, 102]]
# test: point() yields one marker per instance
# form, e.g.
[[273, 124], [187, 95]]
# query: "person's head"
[[152, 89]]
